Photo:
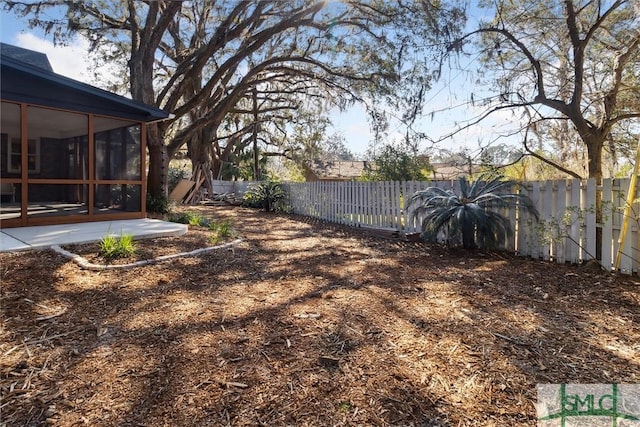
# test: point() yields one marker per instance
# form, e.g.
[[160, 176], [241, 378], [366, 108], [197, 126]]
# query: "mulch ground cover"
[[304, 323]]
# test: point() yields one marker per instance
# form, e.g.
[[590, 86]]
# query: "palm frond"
[[471, 214]]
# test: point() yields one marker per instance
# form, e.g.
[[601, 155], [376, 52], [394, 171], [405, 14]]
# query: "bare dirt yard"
[[304, 323]]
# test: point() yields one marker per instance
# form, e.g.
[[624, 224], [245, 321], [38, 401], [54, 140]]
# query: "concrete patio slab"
[[44, 236], [9, 244]]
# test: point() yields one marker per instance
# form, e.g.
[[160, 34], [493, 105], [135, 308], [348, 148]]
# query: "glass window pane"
[[118, 149], [58, 144], [117, 198], [9, 140]]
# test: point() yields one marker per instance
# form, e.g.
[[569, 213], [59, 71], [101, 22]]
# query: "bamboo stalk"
[[627, 208]]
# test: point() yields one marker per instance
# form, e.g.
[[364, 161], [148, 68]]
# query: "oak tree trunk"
[[595, 144], [200, 153], [157, 176], [141, 74]]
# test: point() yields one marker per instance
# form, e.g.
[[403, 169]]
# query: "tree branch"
[[546, 160]]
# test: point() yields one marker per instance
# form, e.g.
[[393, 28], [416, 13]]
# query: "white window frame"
[[35, 168]]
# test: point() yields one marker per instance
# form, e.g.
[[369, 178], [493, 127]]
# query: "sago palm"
[[266, 193], [471, 215]]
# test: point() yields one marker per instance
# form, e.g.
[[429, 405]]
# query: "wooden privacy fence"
[[566, 231]]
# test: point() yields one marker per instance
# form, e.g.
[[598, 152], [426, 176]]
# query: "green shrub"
[[267, 194], [199, 220], [159, 205], [179, 217], [112, 247], [191, 218], [251, 200], [221, 231]]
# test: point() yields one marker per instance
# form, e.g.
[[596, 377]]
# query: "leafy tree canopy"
[[204, 61], [397, 162]]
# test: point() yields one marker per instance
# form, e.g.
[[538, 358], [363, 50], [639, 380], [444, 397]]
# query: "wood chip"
[[236, 384], [307, 315]]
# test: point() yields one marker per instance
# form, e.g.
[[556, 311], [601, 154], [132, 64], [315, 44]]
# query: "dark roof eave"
[[148, 112]]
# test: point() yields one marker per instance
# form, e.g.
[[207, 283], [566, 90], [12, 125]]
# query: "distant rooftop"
[[453, 170], [334, 170], [26, 56]]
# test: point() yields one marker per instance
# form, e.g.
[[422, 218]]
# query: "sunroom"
[[69, 152]]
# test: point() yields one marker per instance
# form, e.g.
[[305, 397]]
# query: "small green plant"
[[112, 247], [191, 218], [199, 220], [345, 406], [266, 194], [221, 231], [179, 217]]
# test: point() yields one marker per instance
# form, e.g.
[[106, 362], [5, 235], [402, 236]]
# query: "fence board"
[[406, 195], [546, 194], [607, 225], [360, 205], [408, 189], [386, 205], [573, 204], [560, 207], [340, 200], [634, 235], [537, 234], [520, 225], [376, 202], [396, 204], [512, 215], [590, 220]]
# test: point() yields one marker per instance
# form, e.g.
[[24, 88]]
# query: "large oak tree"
[[204, 60], [572, 67]]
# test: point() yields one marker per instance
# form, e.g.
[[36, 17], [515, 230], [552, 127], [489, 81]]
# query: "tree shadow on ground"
[[306, 326]]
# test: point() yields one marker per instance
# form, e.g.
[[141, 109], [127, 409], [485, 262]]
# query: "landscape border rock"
[[83, 263]]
